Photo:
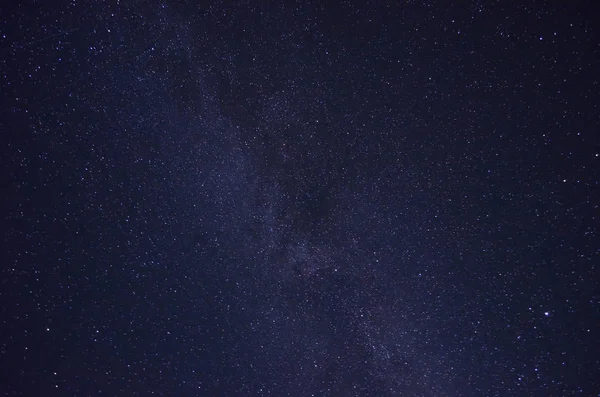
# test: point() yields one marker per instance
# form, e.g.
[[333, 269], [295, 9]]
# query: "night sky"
[[290, 199]]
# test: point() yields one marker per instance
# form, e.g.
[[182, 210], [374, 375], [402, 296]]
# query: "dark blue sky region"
[[300, 199]]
